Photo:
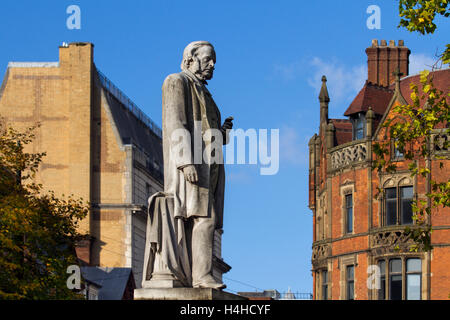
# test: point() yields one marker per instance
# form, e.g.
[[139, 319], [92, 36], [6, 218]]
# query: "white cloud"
[[419, 62], [343, 82]]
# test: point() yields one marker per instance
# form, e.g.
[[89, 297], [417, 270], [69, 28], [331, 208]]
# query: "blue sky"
[[270, 58]]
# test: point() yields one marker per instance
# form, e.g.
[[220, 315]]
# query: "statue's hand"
[[228, 124], [190, 173]]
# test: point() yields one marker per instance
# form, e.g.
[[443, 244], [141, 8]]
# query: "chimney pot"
[[383, 60], [374, 43]]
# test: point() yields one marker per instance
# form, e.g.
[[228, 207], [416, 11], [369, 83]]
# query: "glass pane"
[[350, 272], [413, 287], [359, 123], [407, 213], [382, 266], [397, 153], [359, 134], [348, 201], [395, 266], [413, 265], [325, 292], [391, 212], [349, 219], [391, 193], [395, 288], [407, 192], [382, 291], [350, 290]]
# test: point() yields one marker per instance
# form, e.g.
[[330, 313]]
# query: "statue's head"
[[199, 58]]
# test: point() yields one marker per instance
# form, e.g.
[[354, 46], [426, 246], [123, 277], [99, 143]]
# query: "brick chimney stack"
[[384, 59]]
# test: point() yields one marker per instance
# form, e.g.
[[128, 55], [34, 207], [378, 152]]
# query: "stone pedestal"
[[184, 294]]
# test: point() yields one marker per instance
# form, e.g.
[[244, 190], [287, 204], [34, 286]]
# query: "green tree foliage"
[[38, 231], [420, 15], [411, 126]]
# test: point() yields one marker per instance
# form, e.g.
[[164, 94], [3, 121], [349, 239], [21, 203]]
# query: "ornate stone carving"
[[390, 241], [319, 255], [348, 155], [441, 142], [396, 179]]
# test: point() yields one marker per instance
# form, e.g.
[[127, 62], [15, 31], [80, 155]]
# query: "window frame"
[[413, 273], [395, 274], [359, 118], [386, 200], [383, 274], [400, 205], [399, 221], [404, 274], [396, 155], [349, 282], [348, 225], [324, 284]]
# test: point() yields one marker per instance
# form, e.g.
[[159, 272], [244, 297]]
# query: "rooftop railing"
[[128, 103]]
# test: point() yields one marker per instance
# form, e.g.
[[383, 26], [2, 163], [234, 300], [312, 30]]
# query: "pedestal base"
[[184, 294]]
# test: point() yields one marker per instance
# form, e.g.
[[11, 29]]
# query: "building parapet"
[[348, 154], [33, 64]]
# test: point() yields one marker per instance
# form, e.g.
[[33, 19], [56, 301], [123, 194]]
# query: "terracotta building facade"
[[360, 250]]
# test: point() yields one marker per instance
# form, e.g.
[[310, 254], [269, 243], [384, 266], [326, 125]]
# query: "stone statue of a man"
[[183, 218]]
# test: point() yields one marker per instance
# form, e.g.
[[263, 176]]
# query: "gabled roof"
[[441, 80], [112, 281], [371, 95]]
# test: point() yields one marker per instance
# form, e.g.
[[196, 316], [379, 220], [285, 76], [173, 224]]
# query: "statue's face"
[[203, 63]]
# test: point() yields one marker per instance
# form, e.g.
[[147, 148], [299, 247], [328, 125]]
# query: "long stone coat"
[[183, 97]]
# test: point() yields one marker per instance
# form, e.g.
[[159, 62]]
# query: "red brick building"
[[355, 226]]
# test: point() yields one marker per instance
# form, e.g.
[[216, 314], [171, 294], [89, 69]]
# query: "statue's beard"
[[205, 74]]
